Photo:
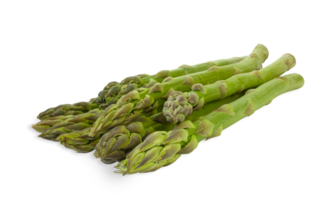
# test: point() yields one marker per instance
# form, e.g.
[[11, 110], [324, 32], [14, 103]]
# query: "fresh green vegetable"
[[114, 90], [180, 105], [68, 109], [78, 142], [132, 104], [162, 148], [53, 127], [143, 126], [134, 82], [115, 144], [61, 119]]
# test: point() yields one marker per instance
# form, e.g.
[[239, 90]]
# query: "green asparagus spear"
[[68, 109], [179, 105], [111, 94], [113, 91], [134, 132], [108, 91], [132, 82], [53, 127], [115, 144], [163, 148], [81, 143], [78, 142], [134, 102]]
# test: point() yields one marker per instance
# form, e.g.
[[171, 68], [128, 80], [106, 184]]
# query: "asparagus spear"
[[78, 142], [137, 100], [179, 105], [68, 109], [111, 94], [114, 90], [163, 148], [132, 82], [81, 143], [115, 144], [109, 90], [53, 127]]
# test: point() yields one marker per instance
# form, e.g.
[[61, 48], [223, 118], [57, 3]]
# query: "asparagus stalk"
[[111, 93], [180, 105], [132, 82], [163, 148], [108, 91], [78, 142], [81, 143], [111, 89], [114, 90], [134, 102], [53, 127], [115, 144], [68, 109]]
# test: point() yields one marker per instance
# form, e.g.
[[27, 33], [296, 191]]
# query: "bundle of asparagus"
[[114, 145], [120, 140], [162, 148], [113, 90], [69, 117], [147, 122], [180, 105], [129, 106]]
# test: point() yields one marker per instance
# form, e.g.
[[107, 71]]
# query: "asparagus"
[[78, 142], [114, 90], [111, 94], [53, 127], [81, 143], [68, 109], [132, 82], [115, 144], [111, 90], [162, 148], [180, 105], [137, 100], [81, 106]]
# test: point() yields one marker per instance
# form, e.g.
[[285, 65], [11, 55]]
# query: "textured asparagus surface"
[[146, 122], [179, 105], [118, 142], [114, 90], [65, 121], [162, 148], [53, 127], [133, 103]]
